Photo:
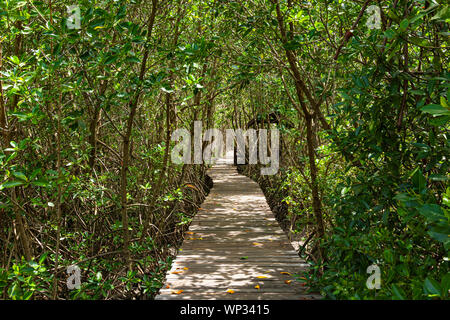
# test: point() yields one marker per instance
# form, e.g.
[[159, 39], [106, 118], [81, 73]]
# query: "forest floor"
[[234, 248]]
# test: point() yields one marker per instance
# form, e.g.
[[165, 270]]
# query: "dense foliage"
[[86, 116]]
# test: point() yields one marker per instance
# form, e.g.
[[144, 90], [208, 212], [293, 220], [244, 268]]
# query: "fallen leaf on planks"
[[185, 268], [257, 244], [287, 281], [189, 232], [230, 291], [261, 277], [167, 286], [257, 286], [177, 292], [177, 272], [284, 272]]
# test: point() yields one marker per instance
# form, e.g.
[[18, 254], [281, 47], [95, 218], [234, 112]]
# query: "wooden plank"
[[241, 286], [237, 296], [234, 242]]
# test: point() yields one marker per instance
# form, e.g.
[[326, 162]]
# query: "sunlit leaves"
[[436, 110]]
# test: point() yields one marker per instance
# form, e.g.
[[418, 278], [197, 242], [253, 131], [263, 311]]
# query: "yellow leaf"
[[257, 244], [257, 286], [185, 268], [189, 232], [177, 292], [167, 286], [177, 272], [285, 273], [230, 291], [287, 281], [191, 186], [261, 277]]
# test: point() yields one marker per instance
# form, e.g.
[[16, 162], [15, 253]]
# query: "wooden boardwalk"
[[234, 248]]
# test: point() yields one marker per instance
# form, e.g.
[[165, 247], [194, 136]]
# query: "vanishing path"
[[234, 242]]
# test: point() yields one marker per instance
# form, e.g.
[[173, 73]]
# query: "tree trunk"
[[126, 138], [303, 91]]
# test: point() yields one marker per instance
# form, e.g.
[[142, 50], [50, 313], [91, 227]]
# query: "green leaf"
[[432, 287], [398, 292], [20, 175], [438, 177], [404, 25], [132, 60], [389, 256], [443, 14], [111, 59], [40, 183], [11, 184], [292, 45], [389, 33], [14, 59], [435, 110], [418, 180], [445, 282], [27, 295], [432, 212], [444, 103], [441, 237], [403, 197], [43, 257]]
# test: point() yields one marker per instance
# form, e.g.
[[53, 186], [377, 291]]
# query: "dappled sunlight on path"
[[235, 244]]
